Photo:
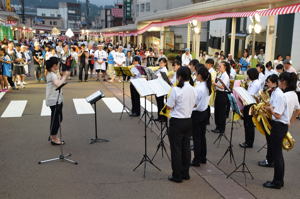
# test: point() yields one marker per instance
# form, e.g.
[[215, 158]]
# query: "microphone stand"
[[62, 157]]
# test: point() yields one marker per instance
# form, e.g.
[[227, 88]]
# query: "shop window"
[[148, 7]]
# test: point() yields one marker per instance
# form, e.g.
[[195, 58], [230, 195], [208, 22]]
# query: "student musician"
[[209, 64], [163, 68], [284, 109], [253, 89], [176, 66], [193, 65], [181, 103], [261, 70], [221, 101], [200, 115], [135, 96]]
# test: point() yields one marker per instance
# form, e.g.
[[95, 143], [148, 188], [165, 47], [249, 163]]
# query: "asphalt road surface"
[[105, 169]]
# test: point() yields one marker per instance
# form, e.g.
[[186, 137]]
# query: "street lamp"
[[254, 28]]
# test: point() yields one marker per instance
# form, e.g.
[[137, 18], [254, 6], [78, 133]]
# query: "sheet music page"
[[157, 88], [165, 85], [249, 99], [142, 87]]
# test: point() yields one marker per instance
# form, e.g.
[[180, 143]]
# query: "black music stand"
[[92, 99], [144, 90], [229, 148], [62, 156], [121, 71], [161, 144]]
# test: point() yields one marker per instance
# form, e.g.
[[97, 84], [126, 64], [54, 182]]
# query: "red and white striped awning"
[[295, 8]]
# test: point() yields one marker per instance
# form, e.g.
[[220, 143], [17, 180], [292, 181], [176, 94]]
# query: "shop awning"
[[295, 8]]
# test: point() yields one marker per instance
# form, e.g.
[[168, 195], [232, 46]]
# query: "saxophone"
[[261, 118]]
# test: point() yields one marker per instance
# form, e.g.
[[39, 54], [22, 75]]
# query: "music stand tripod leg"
[[123, 99], [96, 139]]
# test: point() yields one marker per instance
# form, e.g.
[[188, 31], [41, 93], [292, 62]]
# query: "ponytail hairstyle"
[[290, 79], [262, 67], [164, 60], [206, 76], [227, 67], [273, 78], [183, 74]]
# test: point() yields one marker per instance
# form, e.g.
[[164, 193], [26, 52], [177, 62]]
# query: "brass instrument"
[[261, 118]]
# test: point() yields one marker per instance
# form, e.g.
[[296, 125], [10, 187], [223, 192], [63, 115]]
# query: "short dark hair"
[[262, 67], [177, 62], [210, 61], [273, 78], [194, 62], [279, 67], [252, 74], [137, 59], [269, 64], [51, 62], [290, 79]]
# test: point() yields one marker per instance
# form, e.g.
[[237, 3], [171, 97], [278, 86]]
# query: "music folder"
[[160, 87], [123, 70], [95, 97], [142, 86]]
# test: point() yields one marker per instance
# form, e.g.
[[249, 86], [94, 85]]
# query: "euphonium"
[[261, 119]]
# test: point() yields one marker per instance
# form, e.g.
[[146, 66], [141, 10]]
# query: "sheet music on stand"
[[142, 86], [122, 70], [244, 95], [160, 87]]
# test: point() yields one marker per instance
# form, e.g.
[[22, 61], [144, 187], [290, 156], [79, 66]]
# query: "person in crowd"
[[176, 66], [20, 61], [59, 48], [284, 109], [232, 69], [269, 69], [65, 55], [288, 67], [11, 52], [261, 57], [186, 57], [135, 96], [38, 61], [181, 102], [288, 57], [179, 56], [100, 59], [161, 55], [201, 115], [6, 68], [278, 60], [253, 89], [151, 58], [110, 70], [209, 64], [221, 101], [119, 57], [52, 95], [74, 66], [91, 59], [279, 69], [244, 63], [163, 68], [83, 63], [194, 63], [261, 70]]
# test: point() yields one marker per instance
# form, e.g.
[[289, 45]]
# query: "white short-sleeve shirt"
[[293, 103], [100, 55], [186, 59], [182, 101], [119, 58], [202, 99], [225, 78], [254, 87], [279, 102]]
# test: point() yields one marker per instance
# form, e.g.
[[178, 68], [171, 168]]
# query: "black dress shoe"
[[195, 164], [202, 161], [187, 177], [55, 143], [134, 115], [244, 145], [171, 178], [272, 185], [265, 163]]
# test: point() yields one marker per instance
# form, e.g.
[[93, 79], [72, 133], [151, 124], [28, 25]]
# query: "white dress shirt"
[[119, 58], [163, 70], [186, 59], [174, 79], [279, 103], [293, 103], [225, 78], [269, 72], [100, 55], [254, 87], [202, 99], [182, 101], [135, 72], [261, 78]]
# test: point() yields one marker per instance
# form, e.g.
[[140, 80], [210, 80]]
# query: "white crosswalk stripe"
[[114, 105], [148, 104], [2, 94], [46, 111], [14, 109], [82, 106]]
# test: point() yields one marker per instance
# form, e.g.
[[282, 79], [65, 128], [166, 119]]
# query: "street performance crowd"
[[198, 85]]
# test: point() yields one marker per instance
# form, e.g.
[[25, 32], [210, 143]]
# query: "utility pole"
[[22, 2], [87, 13]]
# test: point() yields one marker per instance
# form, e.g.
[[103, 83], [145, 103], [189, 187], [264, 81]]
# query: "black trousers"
[[160, 104], [269, 155], [179, 135], [11, 82], [135, 100], [278, 132], [199, 120], [248, 126], [86, 69], [56, 118], [221, 104]]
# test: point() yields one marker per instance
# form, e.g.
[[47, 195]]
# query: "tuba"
[[261, 119]]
